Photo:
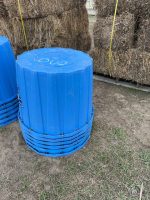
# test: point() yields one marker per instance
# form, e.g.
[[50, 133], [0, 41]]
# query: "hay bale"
[[42, 32], [18, 51], [65, 42], [84, 42], [68, 30], [143, 42], [74, 22], [137, 7], [107, 7], [132, 65], [3, 11], [100, 59], [40, 8], [81, 42], [145, 9], [123, 33]]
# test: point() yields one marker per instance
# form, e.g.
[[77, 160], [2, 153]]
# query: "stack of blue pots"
[[8, 86], [55, 92]]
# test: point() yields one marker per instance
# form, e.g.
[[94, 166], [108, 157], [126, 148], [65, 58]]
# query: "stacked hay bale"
[[131, 41], [48, 23]]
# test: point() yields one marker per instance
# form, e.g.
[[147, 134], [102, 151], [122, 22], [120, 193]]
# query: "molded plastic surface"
[[57, 139], [55, 89], [8, 104], [8, 85], [55, 96], [9, 120], [55, 148], [9, 112]]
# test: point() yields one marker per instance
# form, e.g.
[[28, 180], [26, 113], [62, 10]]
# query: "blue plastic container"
[[8, 85], [55, 92]]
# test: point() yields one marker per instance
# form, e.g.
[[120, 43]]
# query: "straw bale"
[[3, 11], [140, 8], [74, 22], [84, 42], [68, 30], [42, 32], [81, 42], [143, 42], [107, 7], [123, 33], [65, 42], [137, 7], [144, 9], [132, 65], [18, 51], [40, 8]]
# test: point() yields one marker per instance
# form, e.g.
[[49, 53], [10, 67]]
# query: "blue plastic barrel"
[[8, 85], [55, 92]]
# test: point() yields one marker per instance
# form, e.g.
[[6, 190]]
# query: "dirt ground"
[[113, 164]]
